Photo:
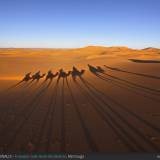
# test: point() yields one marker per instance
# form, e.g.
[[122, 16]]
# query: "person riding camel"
[[37, 76], [27, 77], [100, 69], [76, 72], [50, 75], [63, 74]]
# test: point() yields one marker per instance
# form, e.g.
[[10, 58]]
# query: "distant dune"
[[88, 49], [15, 62], [151, 49]]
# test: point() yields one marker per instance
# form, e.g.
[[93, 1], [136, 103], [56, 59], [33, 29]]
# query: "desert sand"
[[114, 108]]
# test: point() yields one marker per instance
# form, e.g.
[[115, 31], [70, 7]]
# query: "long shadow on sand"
[[22, 98], [28, 109], [118, 130], [25, 82], [101, 71], [144, 61], [88, 91], [89, 138], [128, 88], [26, 78], [126, 84], [64, 76], [10, 90], [98, 107], [112, 114], [101, 94], [134, 73], [50, 113]]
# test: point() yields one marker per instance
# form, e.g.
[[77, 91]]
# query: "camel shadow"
[[50, 75], [63, 74], [76, 73], [134, 73], [100, 73]]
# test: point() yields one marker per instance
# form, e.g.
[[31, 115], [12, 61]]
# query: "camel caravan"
[[50, 75]]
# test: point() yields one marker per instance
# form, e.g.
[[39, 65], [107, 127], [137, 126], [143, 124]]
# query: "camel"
[[63, 74], [95, 70], [100, 69], [37, 76], [27, 77], [76, 72], [50, 75]]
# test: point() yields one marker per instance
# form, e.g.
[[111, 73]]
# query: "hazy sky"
[[77, 23]]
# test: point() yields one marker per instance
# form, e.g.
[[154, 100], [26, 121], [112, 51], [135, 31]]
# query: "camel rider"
[[36, 75], [27, 77]]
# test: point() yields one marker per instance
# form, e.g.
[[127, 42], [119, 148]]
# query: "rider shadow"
[[63, 74], [35, 79], [101, 74], [134, 73], [37, 76], [76, 73], [21, 83], [26, 78], [99, 94], [96, 70], [51, 75]]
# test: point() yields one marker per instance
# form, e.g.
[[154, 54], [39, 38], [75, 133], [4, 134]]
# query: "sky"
[[78, 23]]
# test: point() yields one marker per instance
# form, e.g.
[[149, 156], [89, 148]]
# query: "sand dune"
[[110, 105], [16, 62]]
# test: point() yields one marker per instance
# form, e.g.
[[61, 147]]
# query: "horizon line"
[[76, 47]]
